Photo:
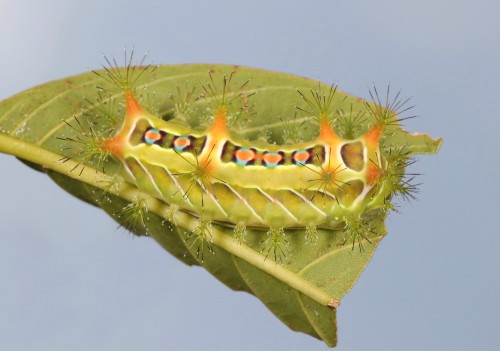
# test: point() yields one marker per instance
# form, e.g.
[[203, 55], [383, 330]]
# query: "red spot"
[[244, 155], [114, 145], [182, 142], [301, 157], [153, 135], [272, 158]]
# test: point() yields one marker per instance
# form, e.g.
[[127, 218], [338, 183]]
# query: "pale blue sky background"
[[69, 280]]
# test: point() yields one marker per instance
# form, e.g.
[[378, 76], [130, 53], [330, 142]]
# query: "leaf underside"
[[312, 275]]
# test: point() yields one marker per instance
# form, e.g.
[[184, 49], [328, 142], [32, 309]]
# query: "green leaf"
[[303, 291]]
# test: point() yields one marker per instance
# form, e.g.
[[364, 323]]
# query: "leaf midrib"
[[126, 191]]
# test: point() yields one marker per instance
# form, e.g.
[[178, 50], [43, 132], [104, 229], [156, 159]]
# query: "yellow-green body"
[[341, 177]]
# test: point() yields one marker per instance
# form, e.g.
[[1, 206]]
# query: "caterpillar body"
[[335, 179], [229, 180]]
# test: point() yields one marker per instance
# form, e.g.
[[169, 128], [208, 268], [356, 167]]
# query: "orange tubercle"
[[373, 136], [133, 106], [206, 162], [114, 145], [373, 173], [219, 127], [207, 165], [326, 133]]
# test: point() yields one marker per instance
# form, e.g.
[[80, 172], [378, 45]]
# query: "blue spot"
[[181, 143], [270, 164], [152, 136], [301, 162], [243, 162]]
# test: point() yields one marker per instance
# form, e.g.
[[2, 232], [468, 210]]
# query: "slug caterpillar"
[[347, 169]]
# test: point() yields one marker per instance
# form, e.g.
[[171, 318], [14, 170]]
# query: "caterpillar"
[[229, 180], [230, 173], [220, 177]]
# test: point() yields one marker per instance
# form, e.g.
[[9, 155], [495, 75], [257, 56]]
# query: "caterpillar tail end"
[[134, 111]]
